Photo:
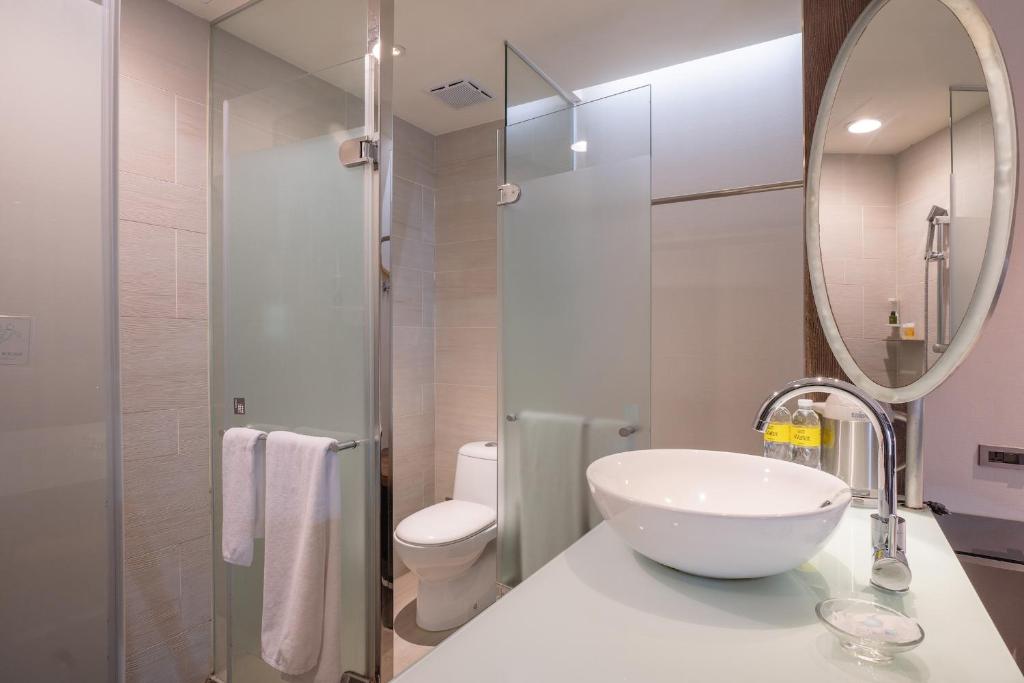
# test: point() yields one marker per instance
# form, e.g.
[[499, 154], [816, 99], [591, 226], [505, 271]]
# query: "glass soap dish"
[[869, 631]]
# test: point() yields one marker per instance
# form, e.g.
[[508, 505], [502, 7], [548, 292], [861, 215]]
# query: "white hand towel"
[[554, 491], [242, 489], [301, 575]]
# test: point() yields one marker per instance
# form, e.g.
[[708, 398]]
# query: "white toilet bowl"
[[450, 546]]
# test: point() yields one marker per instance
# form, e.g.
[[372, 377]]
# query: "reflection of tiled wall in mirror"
[[922, 173], [859, 204]]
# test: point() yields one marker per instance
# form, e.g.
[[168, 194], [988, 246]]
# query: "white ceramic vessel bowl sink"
[[717, 514]]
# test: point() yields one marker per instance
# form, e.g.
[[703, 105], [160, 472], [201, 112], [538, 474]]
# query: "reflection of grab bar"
[[937, 250], [334, 447]]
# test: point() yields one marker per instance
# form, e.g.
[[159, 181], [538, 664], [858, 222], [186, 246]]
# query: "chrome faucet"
[[889, 569]]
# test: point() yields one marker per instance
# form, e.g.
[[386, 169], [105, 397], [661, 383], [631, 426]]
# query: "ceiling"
[[209, 9], [900, 73], [578, 43]]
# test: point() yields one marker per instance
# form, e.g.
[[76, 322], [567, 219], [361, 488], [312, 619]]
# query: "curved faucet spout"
[[889, 570]]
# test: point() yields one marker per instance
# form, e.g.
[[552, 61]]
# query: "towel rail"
[[334, 447], [628, 430]]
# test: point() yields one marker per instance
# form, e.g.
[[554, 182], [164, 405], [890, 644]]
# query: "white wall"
[[729, 120]]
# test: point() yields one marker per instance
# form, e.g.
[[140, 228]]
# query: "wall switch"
[[1000, 456]]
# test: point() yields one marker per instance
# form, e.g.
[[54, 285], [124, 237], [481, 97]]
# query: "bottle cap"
[[804, 402]]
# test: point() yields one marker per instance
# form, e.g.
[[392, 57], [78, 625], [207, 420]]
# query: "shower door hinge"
[[508, 194], [358, 151]]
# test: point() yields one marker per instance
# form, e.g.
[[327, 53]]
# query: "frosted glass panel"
[[973, 164], [576, 329], [293, 337], [57, 384]]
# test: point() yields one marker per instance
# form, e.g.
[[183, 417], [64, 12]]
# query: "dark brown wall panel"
[[826, 23]]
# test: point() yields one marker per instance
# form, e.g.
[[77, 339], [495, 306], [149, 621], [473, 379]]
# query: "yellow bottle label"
[[777, 432], [805, 437]]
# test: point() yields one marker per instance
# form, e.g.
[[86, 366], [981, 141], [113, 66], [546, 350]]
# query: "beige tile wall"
[[726, 325], [413, 321], [922, 174], [163, 325], [859, 202], [466, 309]]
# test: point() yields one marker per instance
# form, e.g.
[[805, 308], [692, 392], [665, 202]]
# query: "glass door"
[[298, 299], [60, 488], [575, 306]]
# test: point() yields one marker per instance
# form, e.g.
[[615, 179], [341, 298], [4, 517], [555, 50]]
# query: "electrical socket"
[[1000, 456]]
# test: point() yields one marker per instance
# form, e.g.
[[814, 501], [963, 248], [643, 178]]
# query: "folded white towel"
[[301, 568], [242, 489]]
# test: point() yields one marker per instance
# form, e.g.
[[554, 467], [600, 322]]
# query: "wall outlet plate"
[[1001, 456]]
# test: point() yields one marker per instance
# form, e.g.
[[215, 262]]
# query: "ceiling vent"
[[461, 93]]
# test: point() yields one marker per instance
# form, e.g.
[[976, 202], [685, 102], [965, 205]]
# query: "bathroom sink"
[[718, 514]]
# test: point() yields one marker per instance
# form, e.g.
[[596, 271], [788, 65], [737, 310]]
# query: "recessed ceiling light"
[[861, 126], [579, 146]]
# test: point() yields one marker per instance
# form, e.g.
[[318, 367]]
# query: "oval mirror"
[[910, 192]]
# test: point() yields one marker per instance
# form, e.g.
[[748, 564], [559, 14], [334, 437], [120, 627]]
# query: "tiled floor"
[[411, 642]]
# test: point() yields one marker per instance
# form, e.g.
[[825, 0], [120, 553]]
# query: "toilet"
[[450, 546]]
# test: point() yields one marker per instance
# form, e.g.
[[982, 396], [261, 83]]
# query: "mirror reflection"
[[906, 189]]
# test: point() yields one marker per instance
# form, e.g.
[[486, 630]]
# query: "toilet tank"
[[476, 473]]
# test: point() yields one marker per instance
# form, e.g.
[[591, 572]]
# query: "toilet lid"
[[447, 522]]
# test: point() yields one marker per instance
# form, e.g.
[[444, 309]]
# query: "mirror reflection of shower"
[[906, 193], [936, 252]]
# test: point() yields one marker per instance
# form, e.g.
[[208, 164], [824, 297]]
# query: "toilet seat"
[[447, 523]]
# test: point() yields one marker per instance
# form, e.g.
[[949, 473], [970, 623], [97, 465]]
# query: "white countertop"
[[600, 612]]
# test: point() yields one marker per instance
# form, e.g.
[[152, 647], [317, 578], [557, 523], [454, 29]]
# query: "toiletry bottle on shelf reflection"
[[805, 435], [776, 436]]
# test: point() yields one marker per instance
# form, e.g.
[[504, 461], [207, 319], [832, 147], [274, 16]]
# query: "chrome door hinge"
[[508, 194], [358, 151]]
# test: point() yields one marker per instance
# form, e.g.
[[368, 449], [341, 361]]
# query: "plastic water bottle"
[[805, 435], [776, 436]]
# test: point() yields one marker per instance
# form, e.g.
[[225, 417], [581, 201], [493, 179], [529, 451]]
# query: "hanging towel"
[[242, 489], [553, 490], [301, 569]]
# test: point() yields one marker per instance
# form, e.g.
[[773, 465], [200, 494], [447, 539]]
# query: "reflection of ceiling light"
[[396, 50], [861, 126], [579, 146]]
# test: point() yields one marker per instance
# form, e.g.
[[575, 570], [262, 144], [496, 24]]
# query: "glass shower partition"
[[294, 327], [60, 455], [972, 162], [575, 306]]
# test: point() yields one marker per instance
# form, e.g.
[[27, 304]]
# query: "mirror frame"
[[997, 249]]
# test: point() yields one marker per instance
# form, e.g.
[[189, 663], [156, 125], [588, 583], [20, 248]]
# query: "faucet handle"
[[890, 570]]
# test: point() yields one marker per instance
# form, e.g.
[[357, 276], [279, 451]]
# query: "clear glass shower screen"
[[538, 122], [294, 324], [576, 319]]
